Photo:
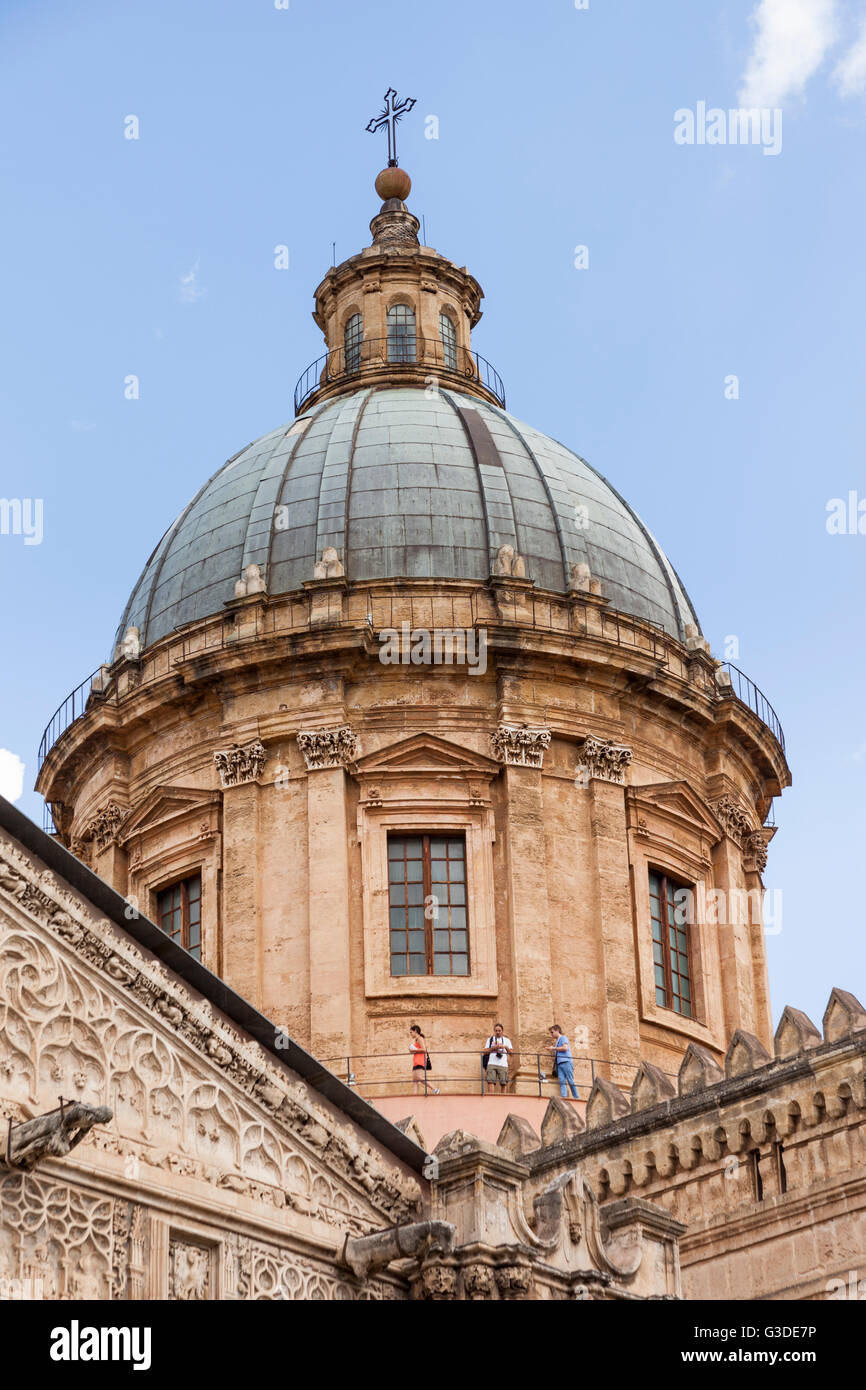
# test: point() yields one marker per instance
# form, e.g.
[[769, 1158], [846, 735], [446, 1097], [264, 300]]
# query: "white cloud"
[[11, 775], [792, 38], [850, 72], [190, 290], [81, 426]]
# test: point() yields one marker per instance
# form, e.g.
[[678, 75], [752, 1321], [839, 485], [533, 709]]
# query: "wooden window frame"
[[449, 341], [401, 328], [183, 938], [666, 880], [353, 342], [430, 923]]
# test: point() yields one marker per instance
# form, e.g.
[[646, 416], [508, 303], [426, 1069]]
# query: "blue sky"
[[155, 257]]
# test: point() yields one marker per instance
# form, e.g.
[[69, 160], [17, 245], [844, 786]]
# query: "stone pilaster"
[[620, 1026], [528, 907], [327, 753], [241, 889]]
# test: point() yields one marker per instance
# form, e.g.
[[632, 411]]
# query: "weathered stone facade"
[[573, 766]]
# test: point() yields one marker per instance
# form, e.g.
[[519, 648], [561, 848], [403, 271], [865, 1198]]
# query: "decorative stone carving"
[[734, 820], [437, 1282], [238, 765], [329, 566], [55, 1134], [62, 1236], [189, 1272], [104, 828], [129, 648], [520, 746], [250, 582], [606, 761], [508, 563], [756, 851], [581, 581], [478, 1282], [514, 1281], [324, 748], [250, 1121]]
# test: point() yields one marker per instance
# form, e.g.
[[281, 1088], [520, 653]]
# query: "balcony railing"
[[398, 356], [461, 1073], [748, 694]]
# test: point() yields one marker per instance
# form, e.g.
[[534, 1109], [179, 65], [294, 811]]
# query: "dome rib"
[[545, 484], [403, 486], [499, 519]]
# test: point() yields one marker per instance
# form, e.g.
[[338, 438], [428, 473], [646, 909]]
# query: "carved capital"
[[437, 1282], [237, 765], [324, 748], [520, 746], [104, 828], [514, 1281], [734, 820], [606, 761], [478, 1282], [755, 852]]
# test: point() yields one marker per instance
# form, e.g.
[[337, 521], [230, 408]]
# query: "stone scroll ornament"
[[106, 824], [520, 746], [239, 765], [734, 820], [323, 748], [605, 761]]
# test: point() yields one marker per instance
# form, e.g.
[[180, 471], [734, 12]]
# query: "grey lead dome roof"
[[402, 486]]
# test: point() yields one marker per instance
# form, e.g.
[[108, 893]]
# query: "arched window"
[[352, 339], [401, 334], [448, 334]]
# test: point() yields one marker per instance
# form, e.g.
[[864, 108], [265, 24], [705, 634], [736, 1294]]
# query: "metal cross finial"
[[392, 113]]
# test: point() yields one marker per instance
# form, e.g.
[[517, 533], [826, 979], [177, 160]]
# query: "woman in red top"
[[418, 1048]]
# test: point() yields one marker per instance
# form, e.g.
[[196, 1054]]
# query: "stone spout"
[[364, 1254]]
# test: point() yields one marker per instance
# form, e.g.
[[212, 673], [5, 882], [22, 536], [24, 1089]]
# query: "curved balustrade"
[[386, 1074], [398, 355], [748, 694]]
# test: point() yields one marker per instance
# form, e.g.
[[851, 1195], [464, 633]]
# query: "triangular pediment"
[[426, 753], [678, 799], [164, 804]]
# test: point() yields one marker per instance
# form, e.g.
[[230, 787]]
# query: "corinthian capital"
[[606, 761], [328, 747], [519, 746], [239, 765]]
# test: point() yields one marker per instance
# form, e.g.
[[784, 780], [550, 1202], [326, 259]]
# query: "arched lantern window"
[[352, 339], [401, 334], [448, 334]]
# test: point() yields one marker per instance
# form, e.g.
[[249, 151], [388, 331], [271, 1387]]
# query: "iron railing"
[[530, 1073], [68, 711], [748, 694], [399, 356]]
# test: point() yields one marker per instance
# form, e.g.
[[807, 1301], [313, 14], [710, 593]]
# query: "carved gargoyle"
[[54, 1134]]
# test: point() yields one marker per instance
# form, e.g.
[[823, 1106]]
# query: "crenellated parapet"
[[740, 1144]]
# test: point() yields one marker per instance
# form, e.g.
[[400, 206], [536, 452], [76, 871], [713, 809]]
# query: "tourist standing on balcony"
[[420, 1060], [497, 1052], [563, 1062]]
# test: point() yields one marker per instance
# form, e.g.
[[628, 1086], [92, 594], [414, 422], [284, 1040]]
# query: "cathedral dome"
[[403, 483]]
